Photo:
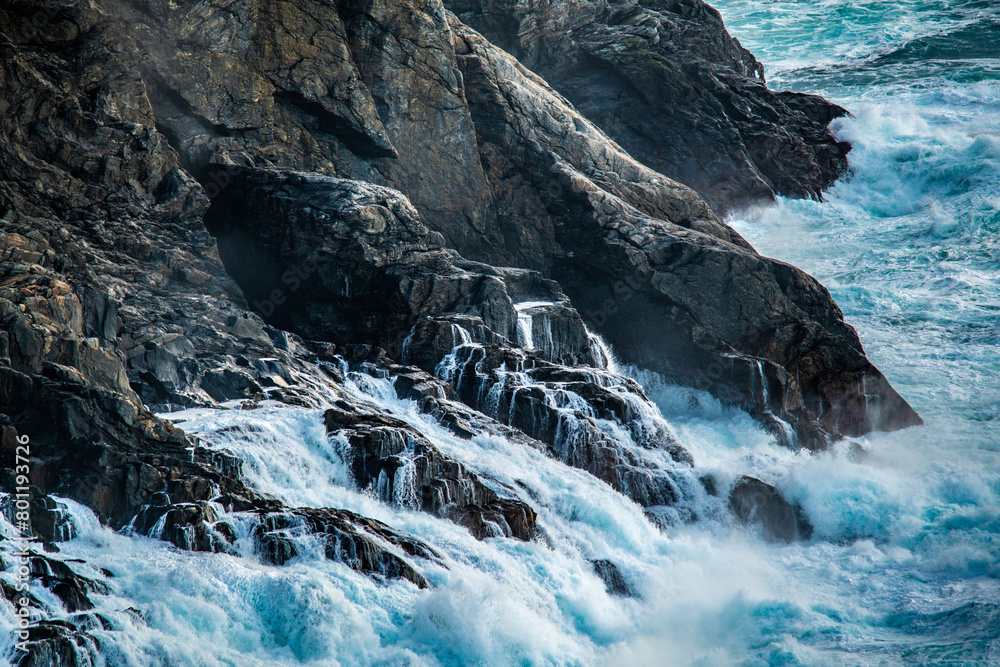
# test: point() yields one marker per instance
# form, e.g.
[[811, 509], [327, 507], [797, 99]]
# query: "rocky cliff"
[[203, 202], [667, 83]]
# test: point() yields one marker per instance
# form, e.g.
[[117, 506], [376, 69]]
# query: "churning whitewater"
[[903, 566]]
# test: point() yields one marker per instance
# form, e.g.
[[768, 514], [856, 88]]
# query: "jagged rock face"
[[637, 254], [364, 544], [402, 467], [374, 270], [510, 174], [428, 151], [569, 410], [375, 95], [109, 277], [112, 296], [350, 262], [667, 82]]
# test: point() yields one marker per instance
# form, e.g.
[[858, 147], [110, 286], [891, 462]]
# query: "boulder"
[[755, 503]]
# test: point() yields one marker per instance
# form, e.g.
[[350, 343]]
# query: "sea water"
[[904, 563], [909, 245]]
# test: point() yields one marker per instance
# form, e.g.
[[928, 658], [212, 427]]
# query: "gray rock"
[[637, 253], [352, 263], [505, 169], [361, 543], [612, 577], [120, 121]]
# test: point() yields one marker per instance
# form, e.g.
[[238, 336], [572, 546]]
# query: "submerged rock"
[[612, 577], [755, 503], [363, 544]]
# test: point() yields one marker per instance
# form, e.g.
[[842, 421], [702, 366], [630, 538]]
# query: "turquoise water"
[[904, 565], [909, 245]]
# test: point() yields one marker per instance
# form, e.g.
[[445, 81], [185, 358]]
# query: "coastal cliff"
[[247, 201]]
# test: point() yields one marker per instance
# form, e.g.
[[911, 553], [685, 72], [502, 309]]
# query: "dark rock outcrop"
[[758, 504], [570, 410], [612, 577], [403, 467], [351, 262], [363, 544], [504, 168], [667, 82], [376, 272], [112, 295], [636, 254]]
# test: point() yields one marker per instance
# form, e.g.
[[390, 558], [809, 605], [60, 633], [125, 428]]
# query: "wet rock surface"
[[353, 262], [363, 544], [756, 503], [612, 577], [55, 641], [572, 412], [401, 466]]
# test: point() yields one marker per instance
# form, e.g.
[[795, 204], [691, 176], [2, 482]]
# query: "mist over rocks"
[[202, 208], [756, 503]]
